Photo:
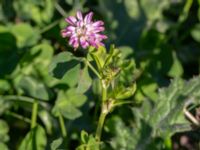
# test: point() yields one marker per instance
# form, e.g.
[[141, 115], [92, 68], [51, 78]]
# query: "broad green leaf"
[[36, 62], [40, 12], [56, 143], [40, 55], [8, 53], [34, 140], [3, 146], [165, 115], [71, 76], [68, 68], [68, 104], [25, 34], [64, 63], [147, 89], [85, 80], [122, 139], [34, 88], [69, 111]]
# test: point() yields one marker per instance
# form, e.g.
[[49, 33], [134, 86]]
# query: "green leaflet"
[[56, 143], [158, 119], [34, 140], [68, 103]]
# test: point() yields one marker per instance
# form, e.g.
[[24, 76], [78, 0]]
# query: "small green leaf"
[[4, 129], [176, 69], [84, 136], [99, 55], [68, 104], [125, 93], [89, 144], [35, 139], [56, 143], [126, 51]]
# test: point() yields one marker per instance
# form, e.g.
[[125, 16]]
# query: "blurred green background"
[[161, 36]]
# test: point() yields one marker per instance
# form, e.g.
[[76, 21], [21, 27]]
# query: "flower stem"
[[62, 125], [100, 126], [102, 115], [34, 114], [15, 115], [92, 68]]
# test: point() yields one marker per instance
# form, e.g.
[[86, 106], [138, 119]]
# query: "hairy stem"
[[34, 114], [62, 125]]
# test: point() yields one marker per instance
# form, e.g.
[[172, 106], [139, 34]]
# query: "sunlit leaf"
[[56, 143]]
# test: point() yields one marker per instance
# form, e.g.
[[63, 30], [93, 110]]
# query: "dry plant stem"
[[190, 117], [34, 114]]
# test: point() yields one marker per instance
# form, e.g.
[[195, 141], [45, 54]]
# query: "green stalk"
[[103, 114], [93, 69], [62, 125], [34, 114], [100, 126], [15, 115]]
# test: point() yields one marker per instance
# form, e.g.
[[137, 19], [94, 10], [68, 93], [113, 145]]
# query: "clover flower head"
[[84, 32]]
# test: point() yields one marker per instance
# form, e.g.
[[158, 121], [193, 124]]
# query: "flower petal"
[[71, 20], [88, 18], [70, 28], [65, 33], [83, 42], [79, 15], [98, 29], [98, 23]]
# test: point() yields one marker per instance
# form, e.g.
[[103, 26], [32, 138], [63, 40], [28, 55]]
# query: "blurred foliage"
[[158, 41]]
